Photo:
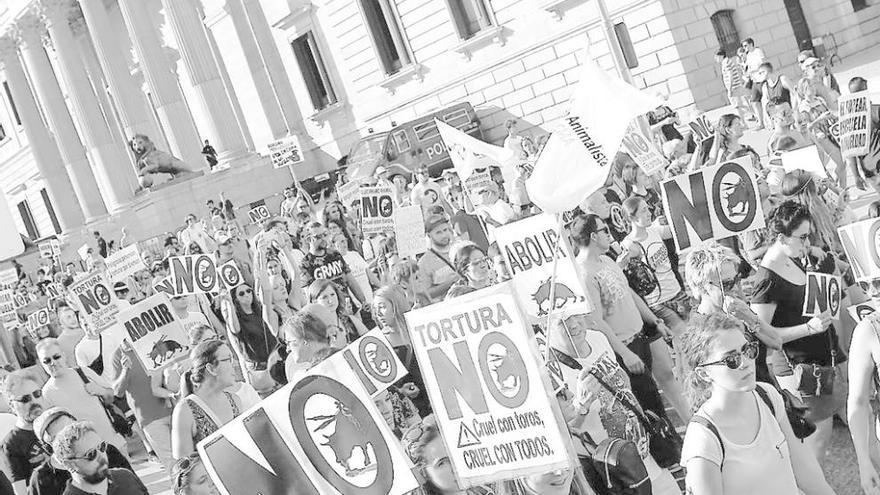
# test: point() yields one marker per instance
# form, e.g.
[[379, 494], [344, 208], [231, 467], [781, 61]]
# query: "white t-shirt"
[[653, 253], [68, 391], [88, 350], [760, 467], [754, 59], [358, 268]]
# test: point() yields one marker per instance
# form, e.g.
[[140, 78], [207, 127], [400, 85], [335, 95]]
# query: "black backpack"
[[615, 467]]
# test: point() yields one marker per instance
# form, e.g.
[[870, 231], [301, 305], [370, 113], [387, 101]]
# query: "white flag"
[[577, 158], [469, 153]]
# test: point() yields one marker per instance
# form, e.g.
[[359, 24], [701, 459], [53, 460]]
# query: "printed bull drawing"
[[737, 197], [561, 297], [505, 369], [347, 436], [164, 350]]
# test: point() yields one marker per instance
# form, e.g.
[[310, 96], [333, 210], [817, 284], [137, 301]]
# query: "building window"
[[626, 45], [51, 209], [725, 31], [385, 31], [28, 219], [469, 16], [314, 72], [859, 4], [11, 103]]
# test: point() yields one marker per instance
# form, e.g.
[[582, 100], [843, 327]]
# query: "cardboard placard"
[[154, 332], [194, 274], [54, 291], [643, 151], [409, 231], [8, 276], [259, 213], [46, 252], [321, 434], [124, 263], [95, 300], [701, 127], [37, 319], [527, 246], [860, 311], [285, 152], [806, 158], [165, 286], [7, 306], [861, 243], [492, 400], [854, 126], [713, 203], [823, 293], [230, 275], [20, 299], [372, 360], [348, 193], [377, 209]]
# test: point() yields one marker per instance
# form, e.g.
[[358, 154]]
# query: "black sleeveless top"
[[255, 337], [777, 91]]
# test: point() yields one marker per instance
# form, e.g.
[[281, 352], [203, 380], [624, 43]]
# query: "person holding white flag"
[[577, 157]]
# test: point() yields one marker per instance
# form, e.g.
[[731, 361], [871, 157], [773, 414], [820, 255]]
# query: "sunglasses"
[[735, 360], [91, 454], [603, 230], [729, 285], [480, 263], [49, 359], [26, 398], [245, 292]]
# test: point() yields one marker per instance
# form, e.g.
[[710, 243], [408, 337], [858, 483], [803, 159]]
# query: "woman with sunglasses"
[[206, 404], [189, 477], [810, 349], [251, 335], [739, 440], [474, 268]]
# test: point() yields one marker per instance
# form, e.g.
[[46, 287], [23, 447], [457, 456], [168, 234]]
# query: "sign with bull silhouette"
[[373, 361], [319, 435], [527, 246], [154, 332], [492, 399], [713, 203]]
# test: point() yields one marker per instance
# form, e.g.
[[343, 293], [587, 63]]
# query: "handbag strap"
[[623, 400], [444, 260]]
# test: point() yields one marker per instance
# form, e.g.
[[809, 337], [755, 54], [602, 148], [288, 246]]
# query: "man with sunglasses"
[[324, 262], [81, 450], [20, 447]]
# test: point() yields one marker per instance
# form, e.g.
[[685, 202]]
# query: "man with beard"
[[435, 265], [20, 446], [323, 262], [83, 453]]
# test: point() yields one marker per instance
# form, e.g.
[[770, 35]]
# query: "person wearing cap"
[[814, 68], [492, 209], [51, 477], [426, 192], [436, 265]]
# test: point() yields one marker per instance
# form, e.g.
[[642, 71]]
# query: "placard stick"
[[560, 224]]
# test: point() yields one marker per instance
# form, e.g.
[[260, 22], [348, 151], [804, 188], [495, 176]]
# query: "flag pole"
[[556, 247], [613, 43]]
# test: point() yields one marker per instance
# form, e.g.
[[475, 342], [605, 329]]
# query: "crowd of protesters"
[[717, 329]]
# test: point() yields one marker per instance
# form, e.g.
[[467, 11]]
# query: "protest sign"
[[377, 209], [8, 276], [854, 126], [409, 231], [165, 286], [713, 203], [83, 252], [20, 300], [319, 435], [156, 335], [861, 243], [348, 193], [806, 158], [493, 402], [259, 213], [95, 300], [702, 128], [643, 151], [7, 306], [230, 275], [194, 274], [477, 179], [372, 360], [56, 247], [45, 248], [54, 291], [124, 263], [860, 311], [285, 152], [823, 293], [37, 319], [527, 246]]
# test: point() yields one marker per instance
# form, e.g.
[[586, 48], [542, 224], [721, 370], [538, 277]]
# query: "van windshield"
[[367, 152]]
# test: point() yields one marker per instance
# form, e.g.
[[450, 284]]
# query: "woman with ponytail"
[[206, 405]]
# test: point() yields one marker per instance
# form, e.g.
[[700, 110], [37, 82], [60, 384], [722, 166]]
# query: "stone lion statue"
[[151, 161]]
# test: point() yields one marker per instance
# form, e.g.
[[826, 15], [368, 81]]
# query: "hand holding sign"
[[822, 298], [702, 128]]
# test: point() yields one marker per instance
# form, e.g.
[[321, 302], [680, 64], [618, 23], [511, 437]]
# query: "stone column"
[[47, 89], [43, 147], [108, 157], [174, 116], [230, 90], [185, 20]]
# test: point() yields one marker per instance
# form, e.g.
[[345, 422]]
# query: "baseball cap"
[[380, 171], [433, 221], [46, 418], [809, 61]]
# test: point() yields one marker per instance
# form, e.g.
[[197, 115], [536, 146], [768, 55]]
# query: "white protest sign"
[[861, 243], [373, 360], [7, 306], [806, 158], [11, 244], [702, 128], [492, 399], [643, 151], [823, 293], [259, 213], [83, 252], [348, 193], [409, 231], [56, 247], [230, 275], [319, 435], [54, 291], [285, 152], [37, 319], [860, 311], [165, 286], [156, 335], [95, 300], [124, 263], [527, 246], [8, 276], [854, 126], [20, 299], [377, 209], [46, 250], [713, 203], [194, 274]]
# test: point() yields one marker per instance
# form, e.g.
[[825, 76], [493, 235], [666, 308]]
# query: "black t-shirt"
[[47, 480], [23, 453], [668, 130], [329, 265]]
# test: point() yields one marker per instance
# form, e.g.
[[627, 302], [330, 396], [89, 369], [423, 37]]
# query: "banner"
[[701, 127], [527, 246], [259, 213], [713, 203], [823, 293], [156, 335], [348, 193], [469, 154], [372, 360], [124, 263], [318, 435], [377, 209], [643, 151], [95, 300], [492, 400], [165, 286], [194, 274], [860, 311], [855, 124], [861, 243], [409, 231], [54, 291], [230, 275], [285, 152], [37, 319], [806, 158]]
